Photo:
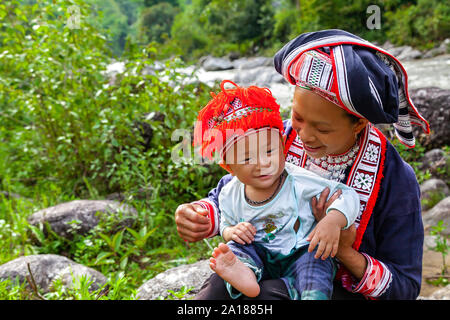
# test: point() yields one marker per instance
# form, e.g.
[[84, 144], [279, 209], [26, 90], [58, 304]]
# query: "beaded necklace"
[[259, 203], [333, 167]]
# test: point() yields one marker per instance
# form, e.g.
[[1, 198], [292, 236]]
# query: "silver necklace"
[[256, 203], [333, 167]]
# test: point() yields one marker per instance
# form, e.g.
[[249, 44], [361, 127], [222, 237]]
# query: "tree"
[[238, 21], [156, 22]]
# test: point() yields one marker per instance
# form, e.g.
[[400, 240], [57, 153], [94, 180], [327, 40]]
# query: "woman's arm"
[[388, 264], [354, 261]]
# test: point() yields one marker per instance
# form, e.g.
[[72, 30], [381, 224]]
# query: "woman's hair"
[[353, 118]]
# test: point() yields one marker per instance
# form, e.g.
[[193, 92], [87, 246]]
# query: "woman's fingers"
[[335, 195], [323, 199], [192, 222], [318, 206]]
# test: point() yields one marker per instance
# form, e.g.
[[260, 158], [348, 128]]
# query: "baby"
[[266, 218]]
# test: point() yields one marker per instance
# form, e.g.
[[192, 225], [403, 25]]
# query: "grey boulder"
[[440, 211], [216, 64], [430, 189], [46, 268], [190, 276], [80, 216]]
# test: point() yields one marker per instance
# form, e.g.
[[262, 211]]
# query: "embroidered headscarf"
[[233, 114], [354, 74]]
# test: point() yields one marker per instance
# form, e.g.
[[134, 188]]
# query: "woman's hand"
[[243, 232], [193, 223], [319, 207]]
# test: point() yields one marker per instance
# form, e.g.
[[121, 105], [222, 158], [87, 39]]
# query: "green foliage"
[[441, 244], [156, 22], [432, 199], [177, 295], [65, 121], [69, 130], [419, 24], [412, 157], [218, 27]]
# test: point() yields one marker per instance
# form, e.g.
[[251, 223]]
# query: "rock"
[[216, 64], [254, 62], [437, 162], [442, 49], [87, 213], [409, 53], [191, 275], [433, 103], [396, 51], [440, 211], [432, 158], [387, 45], [46, 268], [441, 294], [432, 189], [260, 76]]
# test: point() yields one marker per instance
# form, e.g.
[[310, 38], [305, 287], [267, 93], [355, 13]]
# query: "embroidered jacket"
[[389, 227]]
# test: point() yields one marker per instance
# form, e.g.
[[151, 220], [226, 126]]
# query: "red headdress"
[[231, 113]]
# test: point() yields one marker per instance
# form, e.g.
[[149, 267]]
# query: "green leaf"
[[102, 256], [123, 262], [117, 240]]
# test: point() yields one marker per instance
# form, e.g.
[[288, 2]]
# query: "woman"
[[344, 85]]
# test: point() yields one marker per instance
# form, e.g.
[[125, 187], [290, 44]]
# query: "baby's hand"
[[243, 232], [326, 234]]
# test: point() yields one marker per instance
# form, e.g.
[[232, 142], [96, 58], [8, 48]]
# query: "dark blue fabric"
[[361, 63], [394, 234]]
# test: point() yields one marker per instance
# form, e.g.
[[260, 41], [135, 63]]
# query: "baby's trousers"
[[305, 277]]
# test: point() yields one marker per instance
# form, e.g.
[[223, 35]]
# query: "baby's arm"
[[230, 227], [341, 213], [243, 232], [326, 234]]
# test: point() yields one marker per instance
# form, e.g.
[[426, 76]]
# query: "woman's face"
[[323, 127]]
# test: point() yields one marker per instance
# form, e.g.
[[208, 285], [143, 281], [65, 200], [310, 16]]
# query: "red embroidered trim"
[[211, 214], [376, 279], [365, 217], [289, 140]]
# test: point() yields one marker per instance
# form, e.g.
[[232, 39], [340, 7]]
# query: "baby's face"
[[258, 159]]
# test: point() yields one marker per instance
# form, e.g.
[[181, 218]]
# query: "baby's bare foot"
[[225, 263]]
